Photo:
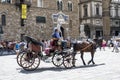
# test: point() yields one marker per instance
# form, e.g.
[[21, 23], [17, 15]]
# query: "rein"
[[86, 47]]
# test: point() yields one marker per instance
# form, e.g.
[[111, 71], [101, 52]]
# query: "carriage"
[[29, 59]]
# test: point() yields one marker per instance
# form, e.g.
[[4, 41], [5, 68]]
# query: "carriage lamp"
[[24, 6]]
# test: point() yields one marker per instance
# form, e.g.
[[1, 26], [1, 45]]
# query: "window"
[[40, 3], [69, 6], [60, 5], [116, 22], [6, 1], [3, 19], [85, 10], [116, 9], [97, 9], [112, 11]]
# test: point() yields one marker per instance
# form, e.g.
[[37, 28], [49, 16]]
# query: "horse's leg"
[[73, 61], [100, 47], [82, 58], [92, 56]]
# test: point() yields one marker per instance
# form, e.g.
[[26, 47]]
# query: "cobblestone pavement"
[[107, 67]]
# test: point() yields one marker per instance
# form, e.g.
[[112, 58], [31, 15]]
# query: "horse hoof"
[[84, 64], [93, 63], [74, 66], [89, 62]]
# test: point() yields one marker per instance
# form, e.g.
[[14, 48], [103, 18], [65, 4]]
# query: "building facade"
[[91, 16], [42, 17]]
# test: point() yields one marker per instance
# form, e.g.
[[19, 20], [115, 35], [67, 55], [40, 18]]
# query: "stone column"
[[106, 18]]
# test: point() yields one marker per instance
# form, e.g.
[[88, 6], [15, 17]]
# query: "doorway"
[[99, 33], [87, 31]]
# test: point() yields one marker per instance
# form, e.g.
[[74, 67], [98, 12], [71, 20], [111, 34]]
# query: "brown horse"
[[84, 47]]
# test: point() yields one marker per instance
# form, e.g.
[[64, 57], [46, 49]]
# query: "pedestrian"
[[115, 46], [109, 43], [103, 44], [17, 47]]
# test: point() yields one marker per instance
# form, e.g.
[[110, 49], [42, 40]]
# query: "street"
[[107, 67]]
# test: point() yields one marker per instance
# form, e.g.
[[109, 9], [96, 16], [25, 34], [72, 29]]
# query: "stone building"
[[42, 17], [91, 16]]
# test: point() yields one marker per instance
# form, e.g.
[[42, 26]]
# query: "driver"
[[56, 36]]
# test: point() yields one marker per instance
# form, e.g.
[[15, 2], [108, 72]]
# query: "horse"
[[84, 47], [98, 42]]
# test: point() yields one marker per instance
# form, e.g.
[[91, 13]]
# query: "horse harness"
[[86, 47]]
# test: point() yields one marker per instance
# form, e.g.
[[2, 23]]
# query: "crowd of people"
[[112, 43], [56, 40]]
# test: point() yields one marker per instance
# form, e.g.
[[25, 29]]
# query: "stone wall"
[[13, 30]]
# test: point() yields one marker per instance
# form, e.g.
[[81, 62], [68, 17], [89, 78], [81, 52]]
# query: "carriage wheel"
[[19, 57], [57, 59], [30, 61], [34, 65], [68, 61]]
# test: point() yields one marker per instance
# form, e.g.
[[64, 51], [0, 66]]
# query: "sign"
[[40, 19], [24, 11], [60, 18]]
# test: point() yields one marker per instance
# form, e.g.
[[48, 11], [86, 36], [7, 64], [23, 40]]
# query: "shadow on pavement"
[[88, 66], [44, 69], [57, 68]]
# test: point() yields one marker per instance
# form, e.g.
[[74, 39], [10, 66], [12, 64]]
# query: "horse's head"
[[98, 42]]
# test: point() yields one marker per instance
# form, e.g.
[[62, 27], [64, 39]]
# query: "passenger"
[[56, 37], [103, 44]]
